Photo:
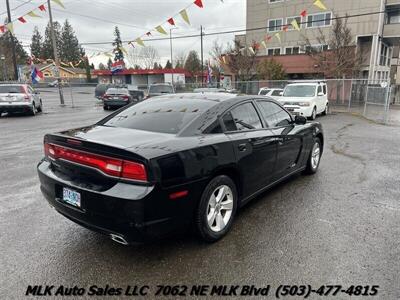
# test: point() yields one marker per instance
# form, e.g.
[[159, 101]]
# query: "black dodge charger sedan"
[[173, 161]]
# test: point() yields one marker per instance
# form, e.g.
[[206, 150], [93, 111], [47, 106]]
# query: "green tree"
[[5, 49], [88, 71], [102, 66], [36, 43], [168, 65], [193, 63], [48, 52], [270, 69], [70, 50], [109, 63], [118, 54]]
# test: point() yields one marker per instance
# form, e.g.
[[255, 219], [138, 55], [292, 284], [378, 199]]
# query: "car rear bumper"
[[15, 106], [115, 102], [135, 212]]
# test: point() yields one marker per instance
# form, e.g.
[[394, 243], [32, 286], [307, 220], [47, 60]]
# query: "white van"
[[306, 99]]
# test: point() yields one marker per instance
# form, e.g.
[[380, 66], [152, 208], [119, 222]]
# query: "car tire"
[[217, 209], [105, 107], [40, 108], [325, 112], [313, 114], [33, 110], [314, 157]]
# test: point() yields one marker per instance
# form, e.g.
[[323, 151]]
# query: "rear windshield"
[[160, 89], [113, 91], [276, 93], [11, 89], [264, 92], [299, 91], [160, 115]]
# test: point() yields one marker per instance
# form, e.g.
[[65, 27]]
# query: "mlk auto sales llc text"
[[282, 291]]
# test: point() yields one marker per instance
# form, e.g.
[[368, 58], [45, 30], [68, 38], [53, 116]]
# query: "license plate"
[[72, 197], [115, 98]]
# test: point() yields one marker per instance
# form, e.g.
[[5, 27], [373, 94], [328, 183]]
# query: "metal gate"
[[377, 103]]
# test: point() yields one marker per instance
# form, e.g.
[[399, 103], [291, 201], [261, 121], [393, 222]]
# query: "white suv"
[[306, 99]]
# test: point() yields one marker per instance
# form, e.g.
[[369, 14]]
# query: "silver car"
[[19, 98]]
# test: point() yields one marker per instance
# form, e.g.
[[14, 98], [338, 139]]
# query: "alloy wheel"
[[220, 207], [315, 155]]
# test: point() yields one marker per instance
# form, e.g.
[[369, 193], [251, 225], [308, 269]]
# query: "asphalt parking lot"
[[341, 226]]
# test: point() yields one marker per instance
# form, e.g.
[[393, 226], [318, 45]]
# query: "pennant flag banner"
[[2, 28], [22, 19], [33, 15], [278, 36], [148, 33], [123, 50], [139, 41], [171, 21], [161, 30], [252, 50], [303, 13], [185, 16], [320, 5], [10, 27], [264, 44], [285, 28], [59, 3], [42, 7], [199, 3], [295, 25]]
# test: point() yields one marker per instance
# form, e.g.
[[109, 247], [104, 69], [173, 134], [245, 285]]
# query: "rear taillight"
[[110, 166], [125, 97]]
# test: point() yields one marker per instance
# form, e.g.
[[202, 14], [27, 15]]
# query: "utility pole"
[[12, 40], [172, 61], [202, 55], [57, 60]]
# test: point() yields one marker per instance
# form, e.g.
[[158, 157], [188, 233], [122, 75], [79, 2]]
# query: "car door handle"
[[242, 147], [280, 140]]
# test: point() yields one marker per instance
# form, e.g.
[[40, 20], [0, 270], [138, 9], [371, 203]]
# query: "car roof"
[[13, 84], [216, 97], [305, 83]]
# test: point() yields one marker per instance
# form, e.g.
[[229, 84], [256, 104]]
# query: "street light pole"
[[172, 61], [12, 40], [56, 58], [202, 55]]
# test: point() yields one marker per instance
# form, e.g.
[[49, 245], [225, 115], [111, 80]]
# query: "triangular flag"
[[320, 5], [139, 41], [22, 20], [2, 28], [278, 36], [10, 27], [303, 13], [285, 28], [268, 38], [130, 43], [59, 3], [264, 44], [171, 21], [295, 25], [161, 30], [42, 7], [123, 50], [33, 15], [72, 65], [184, 16], [242, 50], [199, 3], [252, 50], [148, 33], [224, 59]]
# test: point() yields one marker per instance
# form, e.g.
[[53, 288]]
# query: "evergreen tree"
[[70, 50], [88, 72], [37, 43], [102, 66], [5, 48], [48, 52], [168, 65], [119, 55], [109, 63], [193, 63]]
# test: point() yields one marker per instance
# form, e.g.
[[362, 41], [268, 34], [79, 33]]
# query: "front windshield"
[[299, 91], [160, 89]]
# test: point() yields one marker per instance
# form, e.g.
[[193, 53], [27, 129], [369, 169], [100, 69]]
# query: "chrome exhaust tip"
[[119, 239]]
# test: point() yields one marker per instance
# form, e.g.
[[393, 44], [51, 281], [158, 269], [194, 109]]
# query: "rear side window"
[[324, 87], [276, 93], [264, 92], [273, 114], [242, 117], [319, 89], [160, 115]]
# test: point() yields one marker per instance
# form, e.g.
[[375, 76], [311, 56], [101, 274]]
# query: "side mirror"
[[320, 94], [300, 120]]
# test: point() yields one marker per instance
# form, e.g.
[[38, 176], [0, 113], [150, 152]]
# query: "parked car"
[[116, 97], [273, 93], [306, 99], [158, 166], [102, 88], [159, 89], [55, 83], [135, 93], [209, 90], [19, 98]]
